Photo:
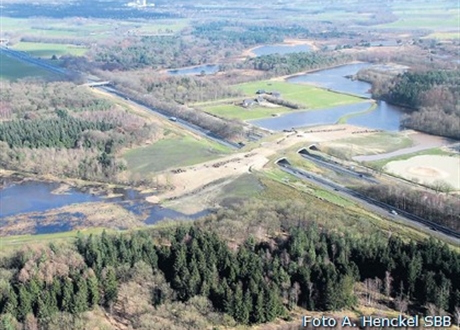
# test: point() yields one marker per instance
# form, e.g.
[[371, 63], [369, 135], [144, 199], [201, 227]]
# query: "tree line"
[[435, 95], [258, 282], [295, 62], [439, 208]]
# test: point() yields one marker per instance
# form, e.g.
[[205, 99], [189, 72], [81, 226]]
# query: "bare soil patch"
[[190, 179], [428, 169]]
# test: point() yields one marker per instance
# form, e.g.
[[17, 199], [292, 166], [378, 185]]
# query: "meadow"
[[233, 111], [172, 153], [38, 49], [13, 69], [308, 96]]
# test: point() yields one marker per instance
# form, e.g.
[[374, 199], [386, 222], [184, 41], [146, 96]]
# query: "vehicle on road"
[[172, 118], [393, 212]]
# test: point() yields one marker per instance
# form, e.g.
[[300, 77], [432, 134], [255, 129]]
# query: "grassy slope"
[[309, 96], [237, 112], [367, 145], [13, 69], [172, 152], [49, 49]]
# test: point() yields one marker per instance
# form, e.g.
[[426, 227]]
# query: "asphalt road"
[[189, 126], [374, 205], [23, 56], [335, 167]]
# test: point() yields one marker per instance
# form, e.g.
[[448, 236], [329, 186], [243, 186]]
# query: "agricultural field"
[[47, 50], [13, 69], [172, 153], [233, 111], [435, 16], [309, 96]]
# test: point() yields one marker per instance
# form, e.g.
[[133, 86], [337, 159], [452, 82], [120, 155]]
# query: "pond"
[[38, 197], [336, 79], [31, 197], [280, 49], [307, 118], [385, 116], [195, 70]]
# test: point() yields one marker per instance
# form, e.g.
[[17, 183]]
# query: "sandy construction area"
[[428, 169], [191, 180]]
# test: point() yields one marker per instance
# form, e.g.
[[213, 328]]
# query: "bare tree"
[[388, 283]]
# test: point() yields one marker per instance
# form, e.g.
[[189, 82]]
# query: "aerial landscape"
[[229, 165]]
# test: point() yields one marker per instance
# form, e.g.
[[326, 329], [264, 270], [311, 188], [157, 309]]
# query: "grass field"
[[434, 152], [237, 112], [13, 242], [172, 152], [49, 49], [13, 69], [444, 35], [377, 143], [309, 96]]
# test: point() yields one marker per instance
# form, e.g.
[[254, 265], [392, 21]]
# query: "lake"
[[196, 70], [385, 116], [280, 49], [31, 197], [307, 118], [335, 79]]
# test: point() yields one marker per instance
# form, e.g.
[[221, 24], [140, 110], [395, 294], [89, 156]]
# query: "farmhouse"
[[247, 103]]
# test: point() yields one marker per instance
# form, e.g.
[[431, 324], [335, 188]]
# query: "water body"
[[335, 79], [196, 70], [307, 118], [30, 196], [27, 197], [280, 49], [386, 117]]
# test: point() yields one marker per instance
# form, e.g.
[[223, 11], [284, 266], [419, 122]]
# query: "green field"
[[237, 112], [443, 35], [13, 69], [377, 143], [309, 96], [49, 49], [435, 151], [172, 152]]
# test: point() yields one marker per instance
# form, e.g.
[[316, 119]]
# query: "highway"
[[189, 126], [335, 167], [23, 56], [371, 204]]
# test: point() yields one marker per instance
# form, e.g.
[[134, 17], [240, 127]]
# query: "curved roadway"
[[371, 204]]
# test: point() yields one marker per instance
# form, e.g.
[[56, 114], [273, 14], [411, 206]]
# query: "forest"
[[435, 95], [257, 282], [65, 130], [296, 62]]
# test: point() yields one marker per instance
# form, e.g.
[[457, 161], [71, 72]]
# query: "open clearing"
[[172, 152], [38, 49], [428, 169], [309, 96], [377, 143], [192, 178], [421, 142], [232, 111], [13, 69]]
